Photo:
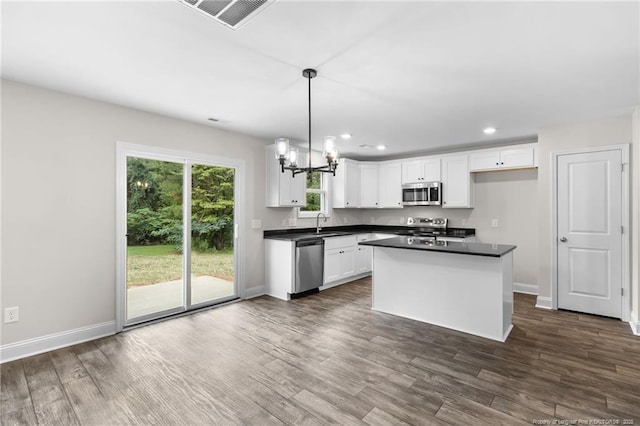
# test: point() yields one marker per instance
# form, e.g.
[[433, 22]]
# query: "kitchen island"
[[463, 286]]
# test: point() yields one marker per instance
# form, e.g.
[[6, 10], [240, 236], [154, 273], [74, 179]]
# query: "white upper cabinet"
[[346, 185], [514, 157], [390, 185], [369, 185], [456, 182], [425, 169], [282, 189]]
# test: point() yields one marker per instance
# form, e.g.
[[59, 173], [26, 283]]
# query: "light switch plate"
[[494, 223], [256, 223]]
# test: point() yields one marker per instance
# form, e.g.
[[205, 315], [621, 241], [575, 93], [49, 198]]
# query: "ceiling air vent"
[[231, 13]]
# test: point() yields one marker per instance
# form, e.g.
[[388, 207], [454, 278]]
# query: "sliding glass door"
[[155, 257], [180, 236], [212, 234]]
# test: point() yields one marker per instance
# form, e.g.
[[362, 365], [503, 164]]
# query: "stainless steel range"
[[437, 228]]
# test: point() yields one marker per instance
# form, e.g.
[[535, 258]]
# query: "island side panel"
[[507, 293], [461, 292]]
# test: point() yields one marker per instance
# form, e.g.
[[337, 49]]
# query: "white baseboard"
[[525, 288], [344, 281], [38, 345], [544, 303], [635, 324], [252, 292]]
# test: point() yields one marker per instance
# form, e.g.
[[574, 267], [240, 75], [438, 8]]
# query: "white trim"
[[635, 324], [252, 292], [38, 345], [344, 280], [124, 150], [525, 288], [324, 199], [626, 244], [544, 303]]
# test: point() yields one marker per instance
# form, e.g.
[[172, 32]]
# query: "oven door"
[[415, 196]]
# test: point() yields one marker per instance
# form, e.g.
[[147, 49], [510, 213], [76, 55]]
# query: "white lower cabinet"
[[339, 263], [280, 268], [363, 255], [344, 261], [344, 258], [339, 258]]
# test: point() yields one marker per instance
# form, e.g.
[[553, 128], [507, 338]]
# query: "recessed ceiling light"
[[381, 147], [346, 136], [489, 130]]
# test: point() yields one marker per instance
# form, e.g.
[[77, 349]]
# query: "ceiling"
[[415, 76]]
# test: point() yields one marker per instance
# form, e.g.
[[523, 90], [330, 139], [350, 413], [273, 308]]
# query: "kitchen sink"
[[332, 234], [313, 235]]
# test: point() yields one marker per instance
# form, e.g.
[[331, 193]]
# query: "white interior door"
[[589, 191]]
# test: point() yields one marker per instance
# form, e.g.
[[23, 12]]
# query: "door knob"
[[563, 239]]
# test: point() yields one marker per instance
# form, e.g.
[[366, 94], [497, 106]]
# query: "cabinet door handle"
[[497, 164], [501, 163]]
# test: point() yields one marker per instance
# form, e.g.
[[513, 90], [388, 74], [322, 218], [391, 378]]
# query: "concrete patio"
[[159, 297]]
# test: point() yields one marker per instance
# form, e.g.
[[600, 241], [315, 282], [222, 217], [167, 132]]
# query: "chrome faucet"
[[318, 229]]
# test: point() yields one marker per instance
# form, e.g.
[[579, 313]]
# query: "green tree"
[[212, 206], [154, 204]]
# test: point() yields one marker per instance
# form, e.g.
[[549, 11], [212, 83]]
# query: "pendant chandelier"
[[288, 157]]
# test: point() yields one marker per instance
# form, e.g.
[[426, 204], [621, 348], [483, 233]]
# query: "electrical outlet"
[[11, 314], [494, 223], [256, 223]]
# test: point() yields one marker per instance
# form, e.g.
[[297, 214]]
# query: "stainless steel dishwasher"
[[309, 265]]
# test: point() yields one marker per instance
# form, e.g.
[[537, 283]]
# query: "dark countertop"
[[297, 234], [428, 244]]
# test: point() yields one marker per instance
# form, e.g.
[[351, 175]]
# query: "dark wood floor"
[[329, 359]]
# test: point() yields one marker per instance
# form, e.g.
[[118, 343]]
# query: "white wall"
[[58, 203], [510, 197], [610, 131], [635, 218]]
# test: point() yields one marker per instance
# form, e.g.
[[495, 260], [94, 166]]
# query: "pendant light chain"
[[309, 154]]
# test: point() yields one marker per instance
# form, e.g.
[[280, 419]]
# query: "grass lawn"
[[161, 263]]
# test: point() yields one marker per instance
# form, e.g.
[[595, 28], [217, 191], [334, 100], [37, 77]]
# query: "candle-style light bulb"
[[282, 148]]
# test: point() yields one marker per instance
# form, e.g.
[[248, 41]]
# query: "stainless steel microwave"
[[422, 194]]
